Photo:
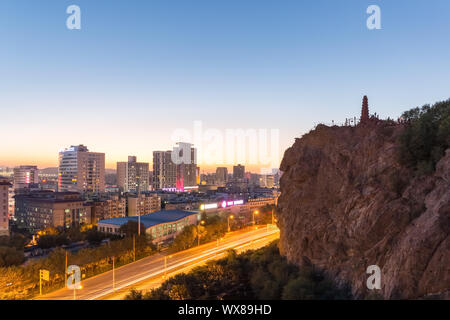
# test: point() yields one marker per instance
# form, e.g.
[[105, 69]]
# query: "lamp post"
[[255, 212], [229, 217], [165, 266], [113, 275], [134, 247], [202, 222], [139, 224], [65, 271]]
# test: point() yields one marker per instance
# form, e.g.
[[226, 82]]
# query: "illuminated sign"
[[226, 204], [208, 206], [170, 189]]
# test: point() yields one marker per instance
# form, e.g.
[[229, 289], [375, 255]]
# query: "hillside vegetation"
[[424, 141]]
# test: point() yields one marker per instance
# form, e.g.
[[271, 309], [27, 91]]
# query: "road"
[[150, 271]]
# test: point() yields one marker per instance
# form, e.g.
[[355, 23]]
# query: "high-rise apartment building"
[[133, 176], [266, 181], [221, 176], [24, 176], [81, 171], [186, 166], [238, 172], [11, 202], [176, 169], [4, 213], [164, 171]]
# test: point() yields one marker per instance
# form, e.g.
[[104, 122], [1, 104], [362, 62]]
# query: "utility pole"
[[229, 217], [65, 272], [134, 247], [113, 275], [198, 232], [139, 224], [198, 236], [165, 267]]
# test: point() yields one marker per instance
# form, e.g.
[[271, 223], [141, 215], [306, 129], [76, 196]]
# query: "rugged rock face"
[[346, 203]]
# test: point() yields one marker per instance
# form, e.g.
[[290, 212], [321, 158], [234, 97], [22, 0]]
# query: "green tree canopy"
[[427, 136]]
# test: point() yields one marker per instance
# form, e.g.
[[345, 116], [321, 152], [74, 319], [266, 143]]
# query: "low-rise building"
[[261, 202], [182, 205], [143, 204], [162, 226], [25, 176], [110, 208], [38, 210]]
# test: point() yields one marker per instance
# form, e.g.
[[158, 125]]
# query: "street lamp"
[[139, 224], [202, 222], [229, 217], [255, 212], [165, 266], [113, 274]]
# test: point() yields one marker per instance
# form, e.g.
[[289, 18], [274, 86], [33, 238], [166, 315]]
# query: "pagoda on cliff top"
[[365, 111]]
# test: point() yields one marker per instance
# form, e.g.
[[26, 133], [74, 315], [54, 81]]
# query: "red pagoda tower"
[[365, 110]]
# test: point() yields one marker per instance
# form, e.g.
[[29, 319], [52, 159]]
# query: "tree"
[[10, 257], [299, 289], [427, 136], [185, 240], [179, 292], [17, 241], [134, 295], [94, 236], [51, 241], [132, 228]]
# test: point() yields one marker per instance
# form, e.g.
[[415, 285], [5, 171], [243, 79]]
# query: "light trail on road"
[[150, 267]]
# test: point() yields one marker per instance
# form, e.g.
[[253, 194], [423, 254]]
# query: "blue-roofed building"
[[161, 225]]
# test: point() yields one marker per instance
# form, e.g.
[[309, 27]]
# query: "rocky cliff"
[[347, 203]]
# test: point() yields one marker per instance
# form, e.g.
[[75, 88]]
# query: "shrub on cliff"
[[424, 141]]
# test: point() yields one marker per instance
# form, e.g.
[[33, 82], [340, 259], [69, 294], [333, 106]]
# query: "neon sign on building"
[[223, 204]]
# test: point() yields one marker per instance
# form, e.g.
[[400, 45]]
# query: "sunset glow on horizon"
[[124, 87]]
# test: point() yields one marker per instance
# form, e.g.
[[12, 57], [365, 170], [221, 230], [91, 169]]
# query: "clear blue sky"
[[139, 69]]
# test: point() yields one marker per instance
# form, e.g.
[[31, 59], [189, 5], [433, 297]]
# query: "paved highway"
[[150, 271]]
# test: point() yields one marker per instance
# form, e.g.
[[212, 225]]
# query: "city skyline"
[[112, 165]]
